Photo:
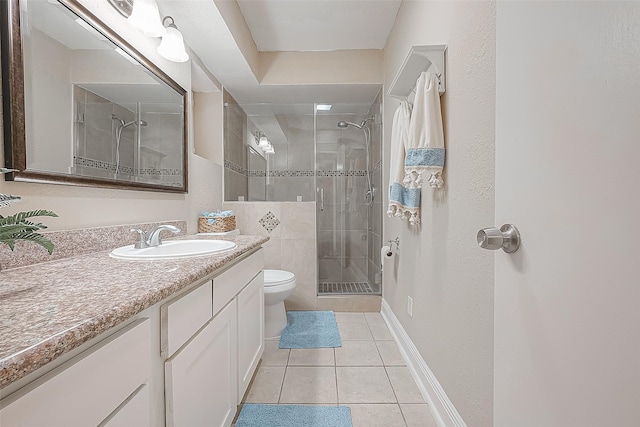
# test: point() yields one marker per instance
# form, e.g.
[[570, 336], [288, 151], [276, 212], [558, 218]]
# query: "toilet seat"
[[278, 277]]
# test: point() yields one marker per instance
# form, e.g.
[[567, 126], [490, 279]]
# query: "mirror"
[[81, 106]]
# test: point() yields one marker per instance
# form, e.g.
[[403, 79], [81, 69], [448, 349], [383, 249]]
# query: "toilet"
[[278, 285]]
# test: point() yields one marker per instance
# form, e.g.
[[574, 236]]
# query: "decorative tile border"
[[99, 164], [340, 173], [236, 168]]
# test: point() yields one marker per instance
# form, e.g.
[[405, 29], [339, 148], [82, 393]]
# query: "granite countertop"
[[48, 309]]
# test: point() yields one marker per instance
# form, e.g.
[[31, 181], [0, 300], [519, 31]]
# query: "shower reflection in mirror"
[[111, 138]]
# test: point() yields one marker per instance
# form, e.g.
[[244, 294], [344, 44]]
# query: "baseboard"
[[441, 407]]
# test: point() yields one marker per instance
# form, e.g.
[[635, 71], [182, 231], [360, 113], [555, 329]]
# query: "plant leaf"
[[22, 216], [7, 199], [29, 236]]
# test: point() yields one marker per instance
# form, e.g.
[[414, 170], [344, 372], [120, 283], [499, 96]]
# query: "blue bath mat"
[[310, 329], [258, 415]]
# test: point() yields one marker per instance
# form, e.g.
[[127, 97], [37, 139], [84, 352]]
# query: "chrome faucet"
[[152, 238]]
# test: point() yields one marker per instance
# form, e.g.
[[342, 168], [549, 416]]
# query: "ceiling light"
[[270, 151], [323, 107], [172, 45], [146, 18]]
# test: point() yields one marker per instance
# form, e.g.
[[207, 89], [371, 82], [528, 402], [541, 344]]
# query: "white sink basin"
[[174, 249]]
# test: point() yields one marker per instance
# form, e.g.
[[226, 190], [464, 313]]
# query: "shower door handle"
[[321, 199]]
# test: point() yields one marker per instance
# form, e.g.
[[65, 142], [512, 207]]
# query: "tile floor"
[[367, 373]]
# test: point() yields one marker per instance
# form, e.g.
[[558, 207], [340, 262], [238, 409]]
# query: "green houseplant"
[[19, 227]]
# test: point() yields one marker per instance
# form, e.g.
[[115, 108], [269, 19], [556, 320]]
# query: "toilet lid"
[[277, 277]]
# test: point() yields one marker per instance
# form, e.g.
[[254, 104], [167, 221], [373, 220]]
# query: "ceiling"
[[319, 25], [281, 25]]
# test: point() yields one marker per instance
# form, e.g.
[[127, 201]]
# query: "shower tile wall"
[[292, 167], [236, 182], [161, 158], [95, 135]]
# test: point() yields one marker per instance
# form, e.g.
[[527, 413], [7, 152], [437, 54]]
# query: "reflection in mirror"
[[290, 172], [95, 112], [257, 175]]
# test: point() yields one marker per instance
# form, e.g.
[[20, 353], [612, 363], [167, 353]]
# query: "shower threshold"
[[344, 288]]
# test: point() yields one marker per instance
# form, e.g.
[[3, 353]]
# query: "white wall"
[[80, 207], [440, 266]]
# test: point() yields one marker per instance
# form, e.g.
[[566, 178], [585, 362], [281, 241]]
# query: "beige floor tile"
[[273, 355], [374, 317], [364, 385], [381, 415], [390, 354], [309, 385], [312, 357], [343, 317], [358, 353], [403, 385], [266, 385], [354, 331], [380, 331], [418, 415]]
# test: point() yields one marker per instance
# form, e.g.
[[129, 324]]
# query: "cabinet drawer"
[[228, 284], [184, 317], [87, 388]]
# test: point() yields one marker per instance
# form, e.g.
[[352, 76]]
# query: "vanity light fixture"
[[145, 16], [172, 45]]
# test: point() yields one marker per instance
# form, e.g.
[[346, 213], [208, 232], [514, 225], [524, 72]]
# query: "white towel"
[[403, 202], [425, 151]]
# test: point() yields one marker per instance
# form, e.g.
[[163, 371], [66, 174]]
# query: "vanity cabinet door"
[[87, 388], [201, 379], [133, 412], [250, 331]]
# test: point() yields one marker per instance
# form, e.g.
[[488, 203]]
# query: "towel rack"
[[420, 58]]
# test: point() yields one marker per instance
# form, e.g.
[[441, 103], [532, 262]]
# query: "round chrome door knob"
[[506, 237]]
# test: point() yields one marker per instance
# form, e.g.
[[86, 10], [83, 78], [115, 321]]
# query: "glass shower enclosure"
[[348, 199]]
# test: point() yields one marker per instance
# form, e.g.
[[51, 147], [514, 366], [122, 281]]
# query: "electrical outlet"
[[410, 306]]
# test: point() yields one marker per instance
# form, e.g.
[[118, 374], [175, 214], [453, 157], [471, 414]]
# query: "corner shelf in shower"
[[420, 58]]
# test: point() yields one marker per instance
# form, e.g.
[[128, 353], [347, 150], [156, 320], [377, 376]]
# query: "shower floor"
[[344, 288]]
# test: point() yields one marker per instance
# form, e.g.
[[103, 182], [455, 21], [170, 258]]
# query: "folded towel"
[[222, 214], [403, 202], [425, 151]]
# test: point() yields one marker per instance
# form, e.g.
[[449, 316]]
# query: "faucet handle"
[[142, 240]]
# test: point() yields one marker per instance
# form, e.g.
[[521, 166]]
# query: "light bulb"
[[172, 45], [146, 18]]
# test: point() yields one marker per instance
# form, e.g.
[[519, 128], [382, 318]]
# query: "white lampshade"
[[146, 18], [172, 45], [264, 142]]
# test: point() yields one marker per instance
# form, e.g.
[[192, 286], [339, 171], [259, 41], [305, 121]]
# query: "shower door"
[[343, 216]]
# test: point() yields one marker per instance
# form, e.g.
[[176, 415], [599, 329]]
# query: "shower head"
[[363, 124], [121, 122], [141, 123], [344, 125]]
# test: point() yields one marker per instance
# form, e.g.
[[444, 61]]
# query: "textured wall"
[[80, 207], [439, 265]]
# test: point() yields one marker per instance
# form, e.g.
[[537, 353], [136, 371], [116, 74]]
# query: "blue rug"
[[310, 329], [258, 415]]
